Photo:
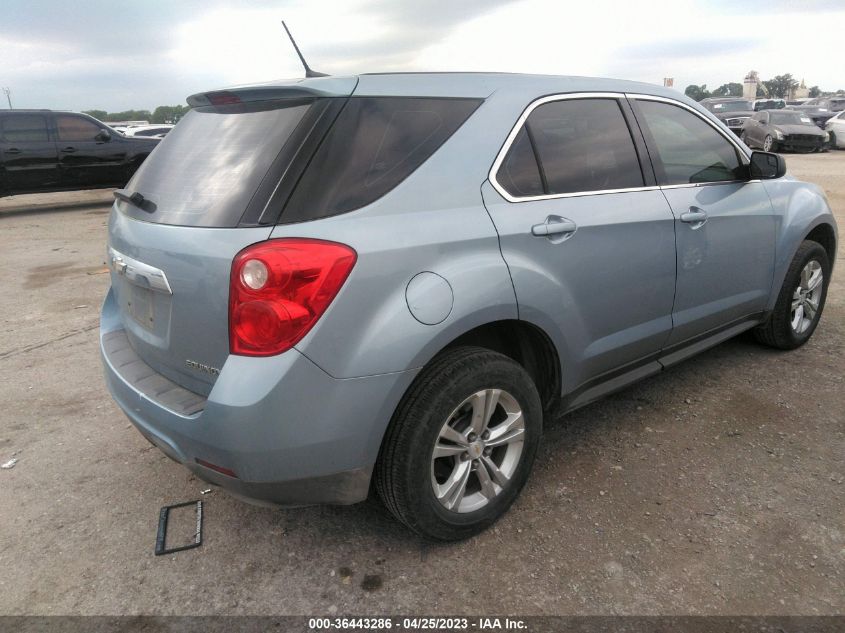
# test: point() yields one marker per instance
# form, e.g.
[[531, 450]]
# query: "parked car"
[[835, 128], [774, 130], [731, 111], [769, 104], [821, 109], [398, 278], [43, 150], [155, 130]]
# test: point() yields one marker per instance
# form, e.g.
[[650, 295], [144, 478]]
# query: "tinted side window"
[[375, 143], [584, 145], [75, 128], [20, 128], [689, 149], [519, 173]]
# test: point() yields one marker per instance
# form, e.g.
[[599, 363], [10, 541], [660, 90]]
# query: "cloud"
[[139, 54], [688, 49]]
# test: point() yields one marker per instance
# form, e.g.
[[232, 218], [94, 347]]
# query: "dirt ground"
[[715, 488]]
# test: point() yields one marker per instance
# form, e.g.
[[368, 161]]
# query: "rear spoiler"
[[299, 89]]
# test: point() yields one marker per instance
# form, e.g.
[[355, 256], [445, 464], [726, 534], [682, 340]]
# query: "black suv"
[[41, 150], [732, 111]]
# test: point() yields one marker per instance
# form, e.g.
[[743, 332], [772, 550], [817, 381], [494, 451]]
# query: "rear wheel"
[[801, 299], [461, 444]]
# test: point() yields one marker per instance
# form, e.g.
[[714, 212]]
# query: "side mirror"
[[103, 136], [767, 166]]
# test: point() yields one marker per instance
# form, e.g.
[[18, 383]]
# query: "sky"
[[128, 54]]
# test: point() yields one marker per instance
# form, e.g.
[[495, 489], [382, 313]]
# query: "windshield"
[[789, 118], [207, 168], [740, 105]]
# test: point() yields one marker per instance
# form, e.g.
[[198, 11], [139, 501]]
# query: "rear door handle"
[[694, 216], [554, 225], [69, 150]]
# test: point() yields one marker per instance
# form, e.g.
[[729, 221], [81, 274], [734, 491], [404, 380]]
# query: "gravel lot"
[[715, 488]]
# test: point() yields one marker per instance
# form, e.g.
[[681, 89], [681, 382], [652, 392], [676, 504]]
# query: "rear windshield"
[[207, 168], [740, 105], [375, 143]]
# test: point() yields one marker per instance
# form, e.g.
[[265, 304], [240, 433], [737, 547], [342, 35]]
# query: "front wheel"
[[801, 299], [768, 143], [831, 141], [461, 444], [744, 138]]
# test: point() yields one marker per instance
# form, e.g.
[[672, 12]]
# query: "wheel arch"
[[526, 344], [825, 235], [804, 214]]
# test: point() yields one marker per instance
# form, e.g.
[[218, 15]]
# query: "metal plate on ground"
[[163, 517]]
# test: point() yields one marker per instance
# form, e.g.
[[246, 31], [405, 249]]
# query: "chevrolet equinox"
[[389, 281]]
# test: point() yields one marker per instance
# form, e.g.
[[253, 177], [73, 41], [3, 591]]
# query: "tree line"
[[162, 114], [778, 87]]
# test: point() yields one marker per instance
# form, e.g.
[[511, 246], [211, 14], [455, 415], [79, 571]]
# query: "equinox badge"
[[208, 369]]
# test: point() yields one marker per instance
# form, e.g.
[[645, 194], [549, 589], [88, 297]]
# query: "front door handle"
[[69, 150], [12, 150], [694, 216], [554, 225]]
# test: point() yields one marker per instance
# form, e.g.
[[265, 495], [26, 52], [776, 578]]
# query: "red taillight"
[[222, 98], [279, 289]]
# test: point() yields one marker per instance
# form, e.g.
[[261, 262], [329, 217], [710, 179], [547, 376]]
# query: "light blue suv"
[[389, 281]]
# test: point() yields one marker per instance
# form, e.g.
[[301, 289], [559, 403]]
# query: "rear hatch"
[[212, 187]]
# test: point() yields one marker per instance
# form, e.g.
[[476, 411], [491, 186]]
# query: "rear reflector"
[[279, 289], [224, 471]]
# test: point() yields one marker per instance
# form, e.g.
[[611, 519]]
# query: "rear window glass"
[[584, 145], [23, 128], [207, 168], [375, 143]]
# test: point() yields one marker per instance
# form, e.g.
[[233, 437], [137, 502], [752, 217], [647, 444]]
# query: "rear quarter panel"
[[369, 328]]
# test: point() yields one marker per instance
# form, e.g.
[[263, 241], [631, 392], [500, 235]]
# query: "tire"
[[743, 138], [769, 144], [443, 395], [831, 141], [779, 330]]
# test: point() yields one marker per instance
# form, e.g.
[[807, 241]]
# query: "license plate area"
[[140, 305]]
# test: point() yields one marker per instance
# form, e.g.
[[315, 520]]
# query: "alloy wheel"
[[805, 299], [477, 450], [767, 144]]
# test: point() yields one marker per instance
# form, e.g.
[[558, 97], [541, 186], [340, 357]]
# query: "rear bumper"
[[290, 433]]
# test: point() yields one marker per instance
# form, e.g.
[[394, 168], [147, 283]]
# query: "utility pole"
[[8, 92]]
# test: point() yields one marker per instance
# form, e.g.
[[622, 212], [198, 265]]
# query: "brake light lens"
[[279, 289], [222, 97]]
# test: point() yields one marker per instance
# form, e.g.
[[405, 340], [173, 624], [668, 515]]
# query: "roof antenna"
[[308, 72]]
